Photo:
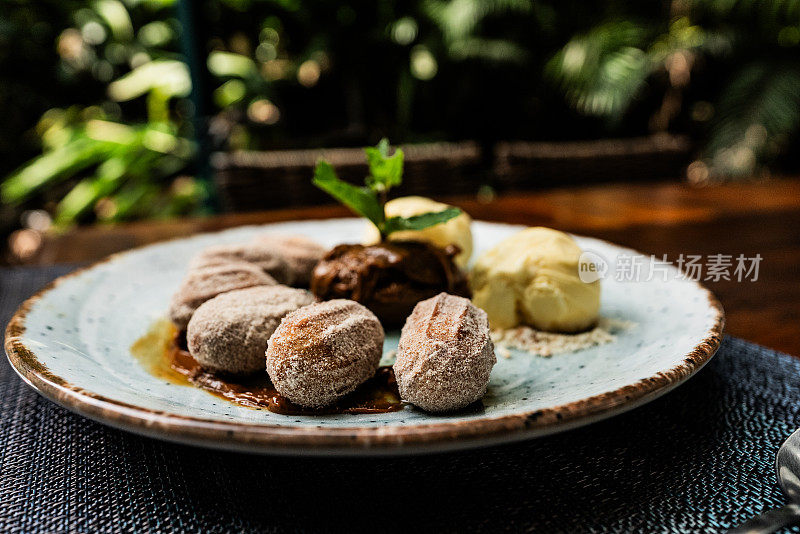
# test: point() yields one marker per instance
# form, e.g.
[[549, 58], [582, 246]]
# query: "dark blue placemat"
[[697, 460]]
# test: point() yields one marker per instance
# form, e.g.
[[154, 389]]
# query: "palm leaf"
[[54, 166], [458, 19], [602, 71], [83, 196], [755, 115], [135, 199]]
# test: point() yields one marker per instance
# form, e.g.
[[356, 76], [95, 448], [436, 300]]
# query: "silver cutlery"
[[787, 464]]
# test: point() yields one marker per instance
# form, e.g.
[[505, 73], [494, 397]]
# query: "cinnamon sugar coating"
[[203, 283], [230, 332], [265, 257], [324, 351], [445, 355], [301, 253]]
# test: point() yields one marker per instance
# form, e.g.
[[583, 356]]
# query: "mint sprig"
[[361, 200], [418, 222], [385, 172]]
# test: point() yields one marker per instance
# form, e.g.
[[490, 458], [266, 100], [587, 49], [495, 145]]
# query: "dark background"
[[99, 125]]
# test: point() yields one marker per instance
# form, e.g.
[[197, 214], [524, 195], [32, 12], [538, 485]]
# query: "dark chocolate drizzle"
[[379, 394]]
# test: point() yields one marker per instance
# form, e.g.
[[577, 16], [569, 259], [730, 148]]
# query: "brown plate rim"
[[267, 438]]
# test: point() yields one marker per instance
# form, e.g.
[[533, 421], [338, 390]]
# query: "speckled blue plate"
[[71, 342]]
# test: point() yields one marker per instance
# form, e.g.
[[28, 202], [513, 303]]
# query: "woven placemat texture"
[[697, 460]]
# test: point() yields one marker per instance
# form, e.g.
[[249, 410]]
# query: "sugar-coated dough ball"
[[445, 355], [265, 257], [324, 351], [230, 332], [532, 278], [203, 283], [456, 231], [301, 253]]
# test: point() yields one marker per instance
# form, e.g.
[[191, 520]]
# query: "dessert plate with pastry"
[[410, 329]]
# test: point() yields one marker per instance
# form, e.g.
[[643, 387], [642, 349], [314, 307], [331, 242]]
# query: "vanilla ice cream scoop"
[[456, 231], [532, 278]]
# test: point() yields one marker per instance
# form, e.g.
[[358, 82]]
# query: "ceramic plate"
[[71, 342]]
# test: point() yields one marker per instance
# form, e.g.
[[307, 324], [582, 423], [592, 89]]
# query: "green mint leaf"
[[361, 200], [419, 222], [385, 171], [383, 147]]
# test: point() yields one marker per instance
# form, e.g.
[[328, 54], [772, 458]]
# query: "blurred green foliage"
[[114, 137], [121, 168], [729, 66], [99, 160]]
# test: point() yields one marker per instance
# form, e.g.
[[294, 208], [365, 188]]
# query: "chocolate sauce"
[[389, 278], [162, 351]]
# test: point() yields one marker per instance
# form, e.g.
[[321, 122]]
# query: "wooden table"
[[748, 218]]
